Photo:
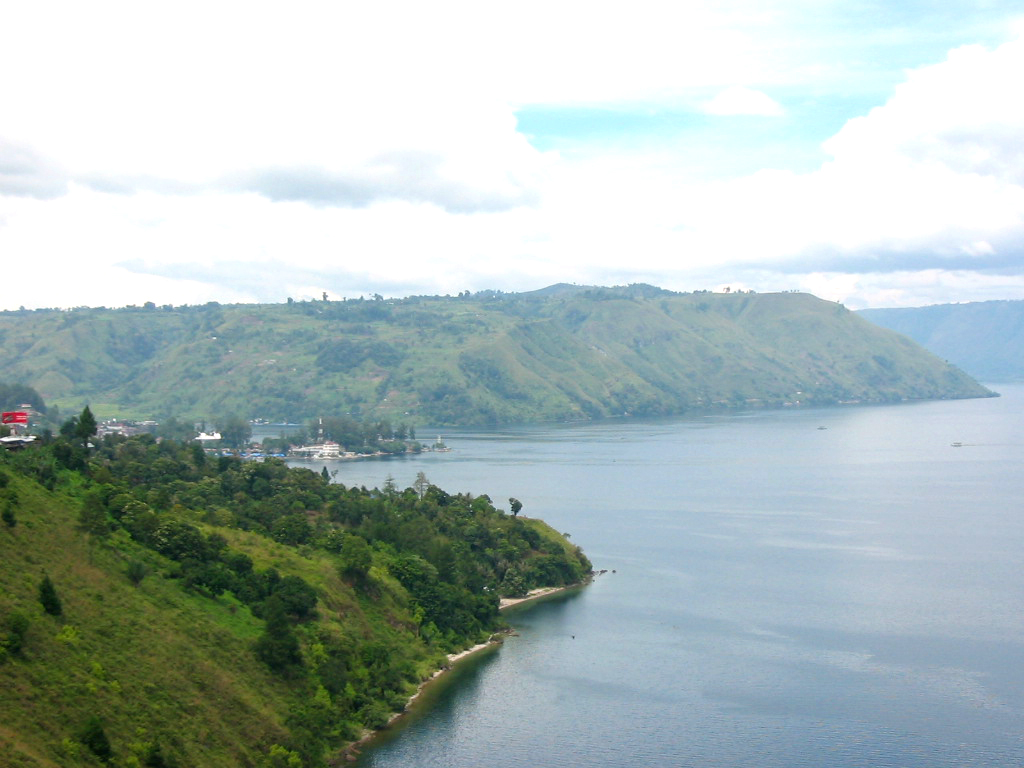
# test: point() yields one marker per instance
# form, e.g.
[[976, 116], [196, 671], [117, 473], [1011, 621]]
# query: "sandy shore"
[[533, 594]]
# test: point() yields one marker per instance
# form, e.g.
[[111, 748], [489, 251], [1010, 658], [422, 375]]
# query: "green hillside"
[[985, 338], [564, 353], [208, 612]]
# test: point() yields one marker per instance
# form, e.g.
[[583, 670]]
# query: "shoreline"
[[351, 750], [533, 594]]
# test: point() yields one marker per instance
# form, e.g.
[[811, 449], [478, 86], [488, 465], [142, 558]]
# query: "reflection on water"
[[784, 595]]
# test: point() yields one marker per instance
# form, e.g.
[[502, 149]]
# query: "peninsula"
[[161, 607]]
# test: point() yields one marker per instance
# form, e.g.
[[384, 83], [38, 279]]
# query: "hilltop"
[[985, 338], [566, 352]]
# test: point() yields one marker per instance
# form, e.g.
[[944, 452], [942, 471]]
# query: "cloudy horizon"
[[867, 153]]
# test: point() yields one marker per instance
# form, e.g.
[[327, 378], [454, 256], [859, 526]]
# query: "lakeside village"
[[343, 439]]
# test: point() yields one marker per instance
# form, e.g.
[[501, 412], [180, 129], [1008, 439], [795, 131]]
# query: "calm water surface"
[[783, 595]]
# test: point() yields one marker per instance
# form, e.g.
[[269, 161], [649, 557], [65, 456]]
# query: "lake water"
[[783, 595]]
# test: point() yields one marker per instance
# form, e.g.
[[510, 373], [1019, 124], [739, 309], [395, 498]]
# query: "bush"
[[94, 738], [136, 572], [16, 627], [156, 758]]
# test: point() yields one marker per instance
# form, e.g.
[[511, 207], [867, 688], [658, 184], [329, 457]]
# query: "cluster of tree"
[[235, 431], [365, 436], [441, 561], [12, 396]]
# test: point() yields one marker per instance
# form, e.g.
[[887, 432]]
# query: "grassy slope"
[[471, 360], [157, 657], [155, 663]]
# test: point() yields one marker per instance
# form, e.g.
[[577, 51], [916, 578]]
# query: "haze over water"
[[784, 595]]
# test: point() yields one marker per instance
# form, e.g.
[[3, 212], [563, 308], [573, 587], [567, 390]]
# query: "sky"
[[868, 152]]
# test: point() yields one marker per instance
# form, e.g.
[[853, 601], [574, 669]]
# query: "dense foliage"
[[300, 610], [565, 353]]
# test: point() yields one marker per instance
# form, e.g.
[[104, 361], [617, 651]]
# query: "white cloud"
[[737, 100], [326, 104], [239, 152], [931, 179], [961, 114], [24, 172], [911, 289]]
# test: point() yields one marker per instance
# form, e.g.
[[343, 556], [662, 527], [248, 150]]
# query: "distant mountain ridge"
[[566, 352], [985, 338]]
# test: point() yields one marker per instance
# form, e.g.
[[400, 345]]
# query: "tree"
[[292, 529], [278, 647], [421, 484], [8, 514], [69, 428], [92, 517], [298, 599], [173, 429], [234, 431], [180, 541], [356, 556], [86, 426], [515, 505], [48, 597]]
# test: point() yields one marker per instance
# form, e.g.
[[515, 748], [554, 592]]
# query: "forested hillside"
[[161, 607], [985, 338], [563, 353]]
